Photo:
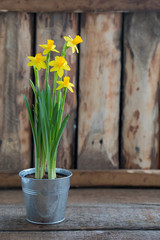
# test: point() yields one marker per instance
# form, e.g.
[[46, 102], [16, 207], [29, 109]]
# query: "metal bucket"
[[45, 199]]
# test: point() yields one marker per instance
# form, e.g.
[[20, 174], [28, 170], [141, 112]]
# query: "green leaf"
[[55, 114], [33, 88], [59, 135], [44, 123], [49, 102], [59, 98], [31, 120]]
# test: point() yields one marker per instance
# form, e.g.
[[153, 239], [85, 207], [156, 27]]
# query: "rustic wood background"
[[114, 110]]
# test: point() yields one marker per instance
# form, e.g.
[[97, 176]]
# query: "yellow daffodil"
[[59, 65], [66, 84], [73, 42], [37, 61], [49, 47]]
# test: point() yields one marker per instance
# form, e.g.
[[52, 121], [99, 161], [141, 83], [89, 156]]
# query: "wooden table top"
[[91, 214]]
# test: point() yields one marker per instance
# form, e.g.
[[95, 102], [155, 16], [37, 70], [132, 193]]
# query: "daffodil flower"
[[59, 65], [66, 84], [73, 42], [37, 61], [49, 47]]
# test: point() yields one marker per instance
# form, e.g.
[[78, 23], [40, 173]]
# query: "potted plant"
[[45, 187]]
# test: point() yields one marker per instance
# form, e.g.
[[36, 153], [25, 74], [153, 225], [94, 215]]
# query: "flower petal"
[[32, 63], [55, 68], [71, 84], [60, 72], [43, 65], [68, 38], [56, 58], [73, 49], [46, 51], [55, 50], [43, 46], [44, 58], [52, 70], [31, 58], [77, 49], [38, 66], [59, 87], [70, 44], [60, 82], [52, 63], [66, 67], [70, 89]]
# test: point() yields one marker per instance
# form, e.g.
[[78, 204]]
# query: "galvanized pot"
[[45, 199]]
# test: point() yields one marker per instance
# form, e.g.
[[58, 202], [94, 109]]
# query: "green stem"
[[47, 69], [52, 174], [59, 96], [47, 77], [64, 50], [37, 165], [43, 163], [54, 87], [36, 76], [63, 101], [62, 109]]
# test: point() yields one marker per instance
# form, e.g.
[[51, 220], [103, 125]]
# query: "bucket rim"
[[25, 172]]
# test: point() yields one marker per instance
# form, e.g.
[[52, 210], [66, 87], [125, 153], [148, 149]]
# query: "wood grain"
[[94, 196], [88, 217], [99, 178], [99, 88], [79, 5], [140, 133], [15, 134], [56, 26], [115, 178], [79, 235], [114, 214]]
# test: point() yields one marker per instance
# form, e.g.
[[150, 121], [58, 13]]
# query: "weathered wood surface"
[[15, 46], [55, 26], [140, 133], [99, 178], [96, 196], [91, 214], [79, 5], [130, 178], [87, 217], [99, 88], [79, 235]]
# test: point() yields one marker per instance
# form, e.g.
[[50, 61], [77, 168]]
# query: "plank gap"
[[75, 162], [33, 79], [121, 89]]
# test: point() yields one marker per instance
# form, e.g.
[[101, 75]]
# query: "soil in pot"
[[45, 176]]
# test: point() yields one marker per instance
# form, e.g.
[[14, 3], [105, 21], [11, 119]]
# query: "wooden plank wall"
[[99, 91], [16, 37], [140, 132], [114, 110], [79, 5]]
